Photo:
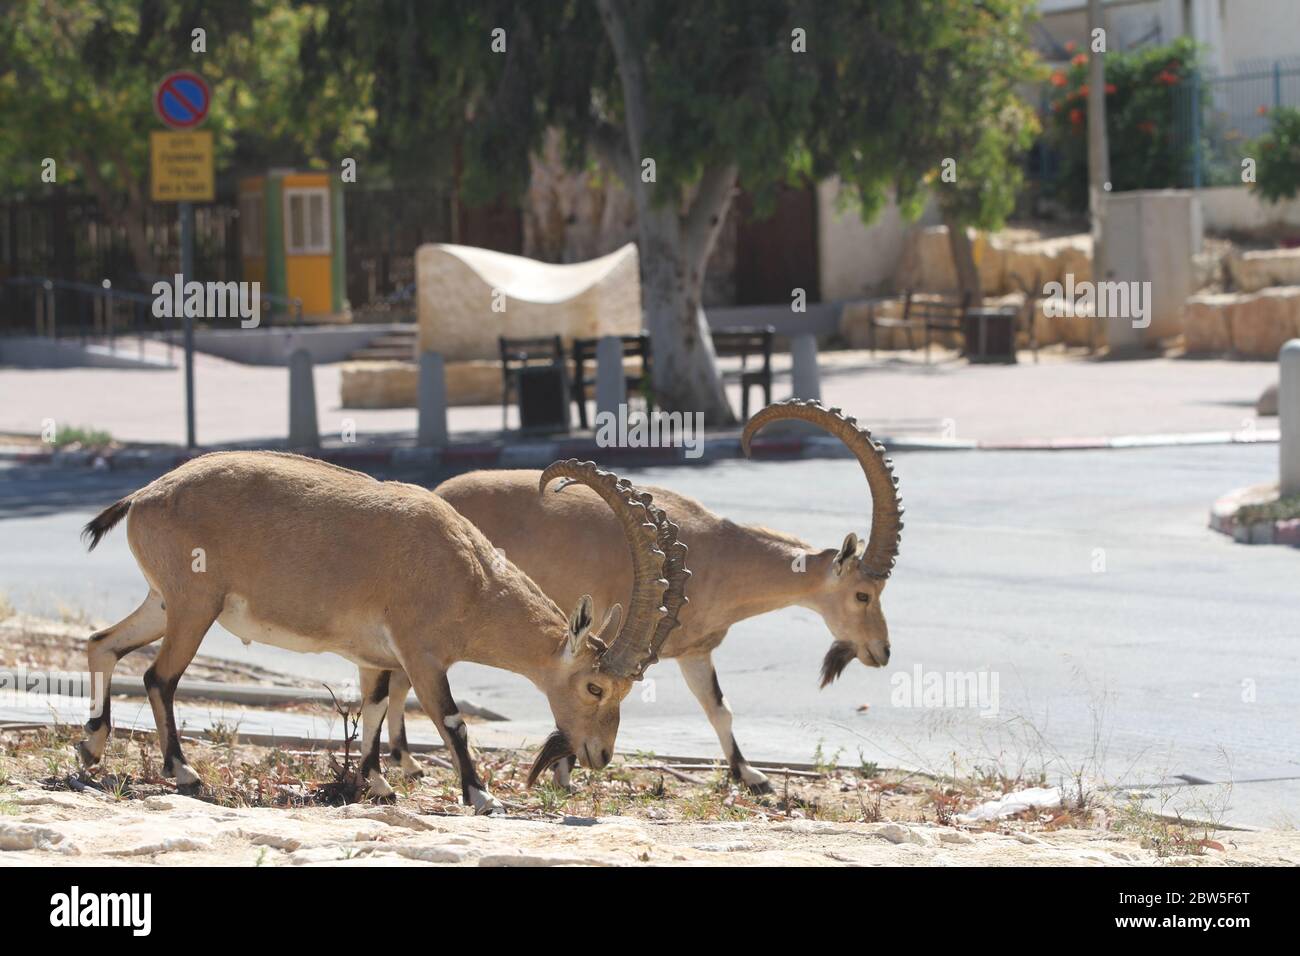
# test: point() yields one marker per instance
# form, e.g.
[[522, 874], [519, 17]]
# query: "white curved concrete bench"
[[458, 286]]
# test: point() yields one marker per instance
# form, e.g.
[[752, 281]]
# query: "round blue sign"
[[182, 100]]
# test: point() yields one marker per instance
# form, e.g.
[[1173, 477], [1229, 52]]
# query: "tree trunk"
[[963, 259], [686, 377], [674, 250]]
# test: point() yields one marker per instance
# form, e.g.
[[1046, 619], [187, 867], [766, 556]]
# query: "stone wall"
[[1253, 271], [1250, 324]]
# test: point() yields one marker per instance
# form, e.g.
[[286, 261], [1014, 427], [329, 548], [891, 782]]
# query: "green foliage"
[[1142, 125], [77, 82], [886, 90], [1277, 156]]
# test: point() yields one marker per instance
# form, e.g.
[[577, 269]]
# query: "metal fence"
[[1217, 117]]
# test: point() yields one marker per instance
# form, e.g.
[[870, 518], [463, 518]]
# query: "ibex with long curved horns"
[[738, 571], [313, 557]]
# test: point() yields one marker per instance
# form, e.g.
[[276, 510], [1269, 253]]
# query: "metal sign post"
[[187, 269], [182, 171]]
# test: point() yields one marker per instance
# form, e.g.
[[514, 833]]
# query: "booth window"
[[251, 229], [307, 217]]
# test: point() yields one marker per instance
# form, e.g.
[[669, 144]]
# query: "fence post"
[[1288, 418], [804, 373], [431, 401], [303, 429], [611, 382], [1277, 84], [1196, 129]]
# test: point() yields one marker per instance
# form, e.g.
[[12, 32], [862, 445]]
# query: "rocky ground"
[[300, 805], [260, 806]]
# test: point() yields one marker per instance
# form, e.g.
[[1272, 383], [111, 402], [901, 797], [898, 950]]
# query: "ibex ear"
[[580, 622], [609, 627], [848, 553]]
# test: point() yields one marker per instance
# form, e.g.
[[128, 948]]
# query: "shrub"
[[1141, 119], [1277, 156]]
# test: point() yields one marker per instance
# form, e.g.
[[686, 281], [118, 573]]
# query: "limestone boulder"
[[1254, 271], [1207, 323], [1255, 324]]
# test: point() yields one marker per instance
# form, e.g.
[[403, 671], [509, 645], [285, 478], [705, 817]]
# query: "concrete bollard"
[[1288, 417], [804, 373], [431, 400], [303, 429], [611, 382]]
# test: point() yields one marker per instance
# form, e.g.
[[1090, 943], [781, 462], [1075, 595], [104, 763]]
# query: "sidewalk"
[[1063, 402]]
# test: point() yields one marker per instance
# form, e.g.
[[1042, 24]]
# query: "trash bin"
[[990, 335], [543, 399]]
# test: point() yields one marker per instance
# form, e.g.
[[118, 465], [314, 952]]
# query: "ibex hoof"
[[762, 788], [86, 756], [486, 805]]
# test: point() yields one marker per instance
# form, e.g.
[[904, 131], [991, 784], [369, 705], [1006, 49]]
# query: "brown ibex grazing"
[[738, 571], [300, 554]]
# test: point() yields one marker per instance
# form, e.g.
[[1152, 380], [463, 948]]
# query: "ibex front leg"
[[703, 682], [434, 692]]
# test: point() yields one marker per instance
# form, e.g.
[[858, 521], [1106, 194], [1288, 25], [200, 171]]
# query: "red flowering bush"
[[1140, 119]]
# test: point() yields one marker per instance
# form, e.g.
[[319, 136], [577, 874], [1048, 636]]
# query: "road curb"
[[499, 453], [1223, 519]]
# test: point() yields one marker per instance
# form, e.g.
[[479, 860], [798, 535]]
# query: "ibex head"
[[595, 671], [854, 575]]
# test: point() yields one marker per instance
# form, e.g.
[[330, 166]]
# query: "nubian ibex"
[[738, 571], [300, 554]]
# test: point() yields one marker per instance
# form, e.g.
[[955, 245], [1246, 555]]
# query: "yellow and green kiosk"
[[292, 240]]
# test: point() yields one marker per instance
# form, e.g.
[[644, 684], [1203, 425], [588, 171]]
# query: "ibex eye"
[[864, 598], [594, 690]]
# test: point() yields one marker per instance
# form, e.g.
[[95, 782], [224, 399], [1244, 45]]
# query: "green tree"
[[1277, 155], [77, 81], [683, 100]]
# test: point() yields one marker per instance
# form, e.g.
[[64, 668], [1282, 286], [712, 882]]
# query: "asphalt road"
[[1129, 642]]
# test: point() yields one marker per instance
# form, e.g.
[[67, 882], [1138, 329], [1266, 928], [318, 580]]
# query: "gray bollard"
[[431, 400], [611, 383], [804, 373], [1288, 417], [303, 430]]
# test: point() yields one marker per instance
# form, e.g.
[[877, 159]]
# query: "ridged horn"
[[886, 506], [658, 566]]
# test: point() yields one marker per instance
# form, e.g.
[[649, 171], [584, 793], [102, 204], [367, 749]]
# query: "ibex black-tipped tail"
[[103, 522]]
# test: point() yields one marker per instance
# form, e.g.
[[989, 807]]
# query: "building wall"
[[858, 259]]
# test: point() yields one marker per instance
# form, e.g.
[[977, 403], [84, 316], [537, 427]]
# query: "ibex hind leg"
[[105, 648], [399, 688], [374, 703], [186, 627]]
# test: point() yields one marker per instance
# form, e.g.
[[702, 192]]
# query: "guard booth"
[[291, 240]]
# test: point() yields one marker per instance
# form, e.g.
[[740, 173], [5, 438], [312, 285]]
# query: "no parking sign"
[[182, 99], [181, 166]]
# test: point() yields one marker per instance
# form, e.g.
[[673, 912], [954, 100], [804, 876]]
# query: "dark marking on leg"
[[398, 745], [717, 690], [166, 690], [468, 772], [380, 690], [737, 758]]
